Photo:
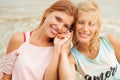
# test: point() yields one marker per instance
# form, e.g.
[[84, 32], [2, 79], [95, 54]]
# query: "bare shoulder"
[[116, 45], [114, 41], [16, 40], [71, 59]]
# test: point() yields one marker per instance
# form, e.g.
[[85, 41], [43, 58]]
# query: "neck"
[[83, 46], [39, 37], [87, 50]]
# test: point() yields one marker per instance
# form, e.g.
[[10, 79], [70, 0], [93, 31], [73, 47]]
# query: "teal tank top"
[[104, 67]]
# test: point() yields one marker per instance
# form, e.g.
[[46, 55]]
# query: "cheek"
[[46, 21], [94, 29], [77, 28], [77, 32], [49, 20]]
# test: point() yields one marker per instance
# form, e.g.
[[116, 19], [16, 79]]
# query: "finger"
[[64, 35], [70, 38]]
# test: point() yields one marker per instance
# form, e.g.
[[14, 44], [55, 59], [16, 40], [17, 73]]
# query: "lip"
[[84, 35], [53, 30]]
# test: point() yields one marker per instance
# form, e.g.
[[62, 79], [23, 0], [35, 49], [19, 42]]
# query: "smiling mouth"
[[54, 30], [84, 35]]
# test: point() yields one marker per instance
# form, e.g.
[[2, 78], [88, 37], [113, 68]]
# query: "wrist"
[[57, 51], [64, 54]]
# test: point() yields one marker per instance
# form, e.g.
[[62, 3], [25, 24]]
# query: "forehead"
[[68, 19], [87, 16]]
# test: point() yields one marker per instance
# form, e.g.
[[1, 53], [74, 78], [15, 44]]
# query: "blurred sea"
[[23, 15]]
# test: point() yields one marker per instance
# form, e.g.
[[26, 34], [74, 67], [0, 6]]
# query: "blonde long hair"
[[89, 6]]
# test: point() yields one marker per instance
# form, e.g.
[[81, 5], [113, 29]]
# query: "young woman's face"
[[85, 27], [57, 22]]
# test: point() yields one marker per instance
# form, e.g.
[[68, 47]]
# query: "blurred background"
[[24, 15]]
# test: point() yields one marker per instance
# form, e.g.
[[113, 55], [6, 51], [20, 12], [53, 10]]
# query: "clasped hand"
[[62, 42]]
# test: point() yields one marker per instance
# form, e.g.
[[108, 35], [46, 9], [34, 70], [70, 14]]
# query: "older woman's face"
[[56, 22], [85, 27]]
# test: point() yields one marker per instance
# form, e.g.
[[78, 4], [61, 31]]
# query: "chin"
[[84, 40], [51, 35]]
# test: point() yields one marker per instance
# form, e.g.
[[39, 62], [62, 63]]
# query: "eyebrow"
[[59, 18], [62, 21]]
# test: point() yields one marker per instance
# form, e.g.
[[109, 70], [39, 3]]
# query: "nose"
[[85, 27], [60, 27]]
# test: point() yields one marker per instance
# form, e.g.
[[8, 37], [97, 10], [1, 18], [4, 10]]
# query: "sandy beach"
[[24, 15]]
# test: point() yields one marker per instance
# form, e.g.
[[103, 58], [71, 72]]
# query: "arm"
[[66, 68], [7, 76], [51, 72], [116, 45], [15, 42], [54, 64]]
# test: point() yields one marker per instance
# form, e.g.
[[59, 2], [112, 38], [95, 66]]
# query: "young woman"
[[95, 55], [28, 54]]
